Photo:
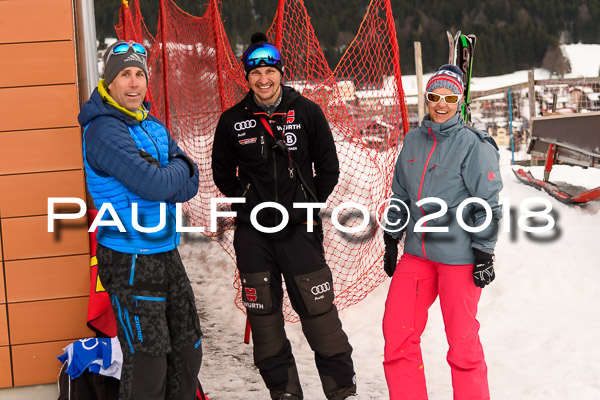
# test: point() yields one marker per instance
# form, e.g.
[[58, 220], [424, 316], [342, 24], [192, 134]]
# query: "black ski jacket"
[[246, 161]]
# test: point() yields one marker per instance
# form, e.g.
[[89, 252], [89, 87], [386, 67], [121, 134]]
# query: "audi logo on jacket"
[[247, 162]]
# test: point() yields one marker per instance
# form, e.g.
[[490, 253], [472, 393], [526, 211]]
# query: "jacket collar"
[[443, 130], [139, 115], [289, 96]]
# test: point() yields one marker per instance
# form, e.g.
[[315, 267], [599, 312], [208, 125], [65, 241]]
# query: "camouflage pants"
[[157, 323]]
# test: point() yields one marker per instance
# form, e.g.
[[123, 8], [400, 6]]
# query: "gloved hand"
[[483, 268], [390, 257], [146, 156], [187, 160]]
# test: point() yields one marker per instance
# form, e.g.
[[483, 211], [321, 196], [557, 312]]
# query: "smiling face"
[[265, 82], [129, 88], [441, 111]]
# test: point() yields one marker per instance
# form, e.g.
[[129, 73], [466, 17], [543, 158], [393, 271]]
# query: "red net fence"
[[194, 77]]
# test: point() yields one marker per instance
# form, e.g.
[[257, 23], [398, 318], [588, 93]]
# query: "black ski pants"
[[297, 256], [157, 324]]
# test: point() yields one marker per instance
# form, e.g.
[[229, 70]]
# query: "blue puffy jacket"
[[116, 173]]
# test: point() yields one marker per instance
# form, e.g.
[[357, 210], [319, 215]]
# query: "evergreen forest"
[[511, 34]]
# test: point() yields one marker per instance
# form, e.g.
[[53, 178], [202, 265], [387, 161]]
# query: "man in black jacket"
[[265, 150]]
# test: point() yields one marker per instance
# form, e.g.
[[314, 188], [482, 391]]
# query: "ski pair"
[[461, 50]]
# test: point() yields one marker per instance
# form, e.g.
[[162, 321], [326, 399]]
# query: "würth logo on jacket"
[[291, 116]]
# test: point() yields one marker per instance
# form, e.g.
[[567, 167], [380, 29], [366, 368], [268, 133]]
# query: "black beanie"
[[115, 63]]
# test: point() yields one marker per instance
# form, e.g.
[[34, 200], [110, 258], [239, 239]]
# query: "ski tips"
[[452, 44]]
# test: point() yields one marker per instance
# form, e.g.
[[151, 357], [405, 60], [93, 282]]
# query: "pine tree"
[[511, 35]]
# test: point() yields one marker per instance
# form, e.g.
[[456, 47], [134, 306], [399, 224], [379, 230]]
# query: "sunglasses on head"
[[448, 98], [262, 54], [124, 47]]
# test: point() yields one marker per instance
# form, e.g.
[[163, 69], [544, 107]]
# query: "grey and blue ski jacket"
[[451, 162], [116, 173]]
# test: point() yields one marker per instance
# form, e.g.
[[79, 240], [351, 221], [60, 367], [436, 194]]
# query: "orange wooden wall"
[[44, 279]]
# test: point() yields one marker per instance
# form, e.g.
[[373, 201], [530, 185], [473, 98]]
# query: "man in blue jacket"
[[135, 169]]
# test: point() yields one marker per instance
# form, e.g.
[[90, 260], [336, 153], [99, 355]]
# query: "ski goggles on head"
[[448, 98], [123, 47], [261, 55]]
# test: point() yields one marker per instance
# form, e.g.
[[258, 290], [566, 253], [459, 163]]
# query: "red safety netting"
[[192, 62]]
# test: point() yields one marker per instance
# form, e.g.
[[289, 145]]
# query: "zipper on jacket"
[[263, 153], [274, 156], [246, 190], [421, 187], [152, 140], [304, 192], [276, 191], [174, 219]]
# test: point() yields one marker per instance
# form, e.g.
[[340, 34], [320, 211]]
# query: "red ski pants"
[[415, 286]]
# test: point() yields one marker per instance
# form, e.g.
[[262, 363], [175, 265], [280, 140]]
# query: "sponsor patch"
[[256, 306], [247, 141], [491, 176], [290, 139], [320, 289], [134, 57], [247, 124], [251, 294], [291, 116]]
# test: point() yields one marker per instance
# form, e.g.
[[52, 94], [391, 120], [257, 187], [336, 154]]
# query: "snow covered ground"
[[540, 318]]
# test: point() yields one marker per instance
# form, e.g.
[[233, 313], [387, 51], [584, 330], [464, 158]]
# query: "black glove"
[[146, 156], [483, 269], [187, 160], [390, 257]]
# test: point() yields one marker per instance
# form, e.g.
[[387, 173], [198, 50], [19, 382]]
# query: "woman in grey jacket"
[[445, 197]]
